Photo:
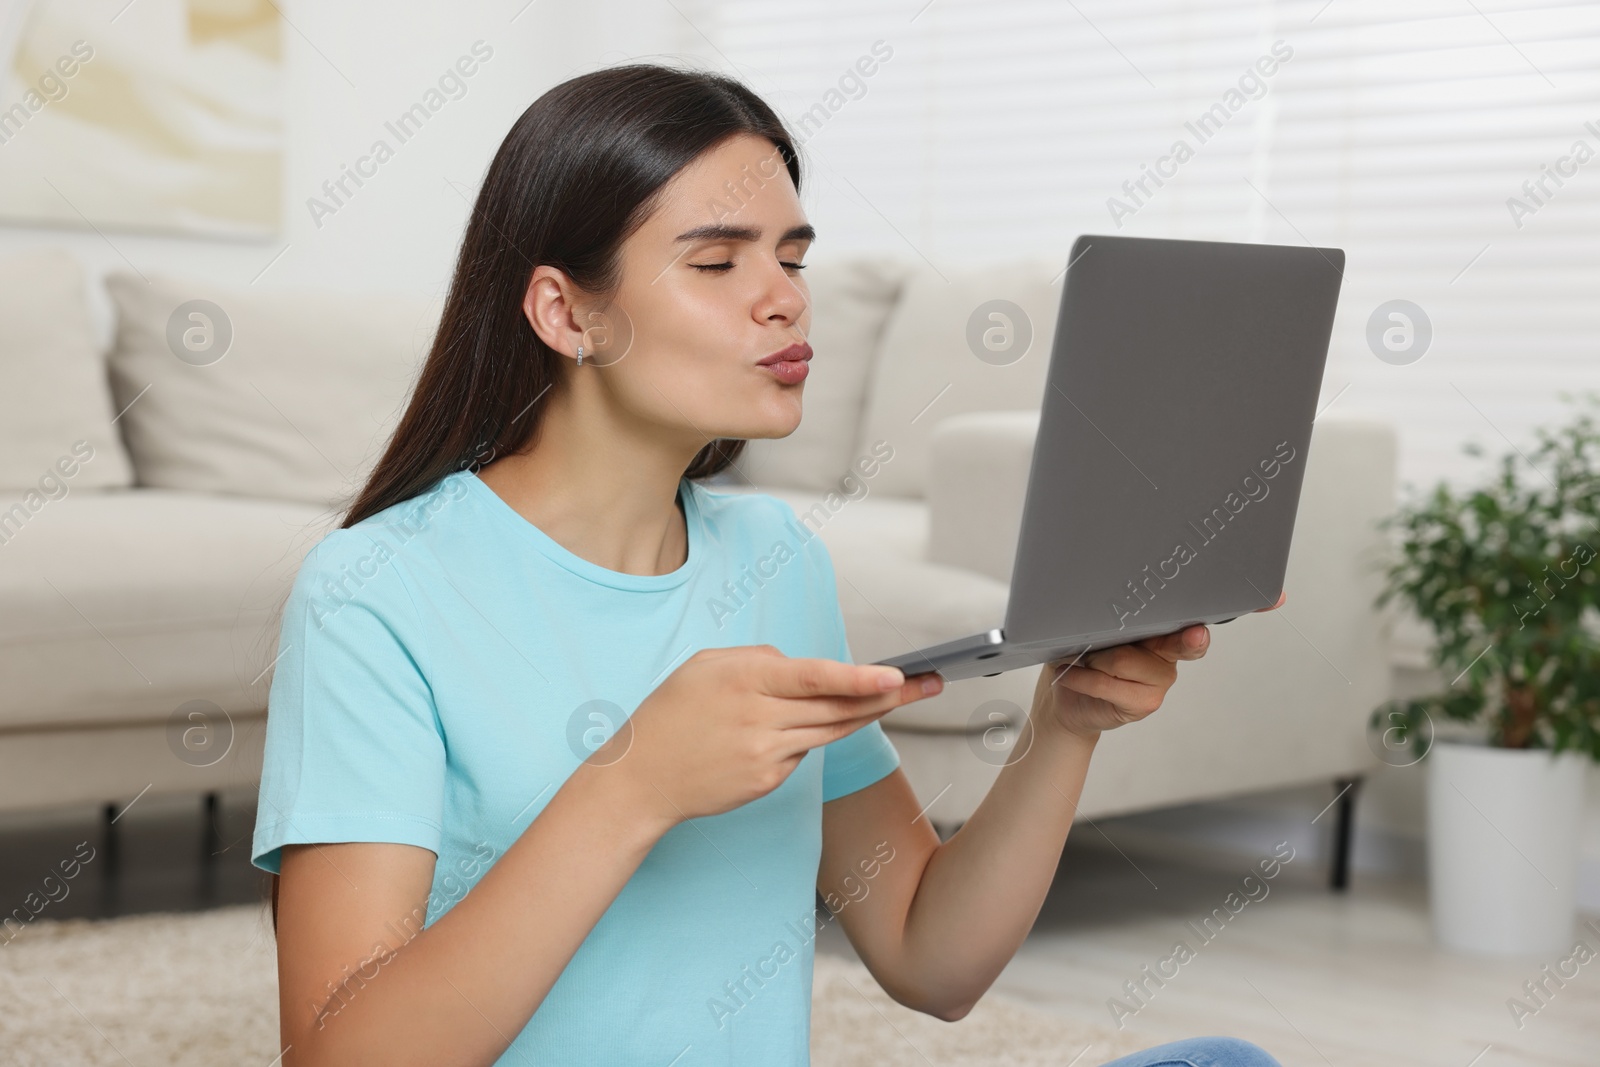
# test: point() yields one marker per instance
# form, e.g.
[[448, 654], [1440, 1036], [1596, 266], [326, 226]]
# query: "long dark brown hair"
[[579, 172]]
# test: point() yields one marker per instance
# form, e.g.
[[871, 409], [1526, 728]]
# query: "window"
[[1438, 143]]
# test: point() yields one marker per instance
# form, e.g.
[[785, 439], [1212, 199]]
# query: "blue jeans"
[[1200, 1052]]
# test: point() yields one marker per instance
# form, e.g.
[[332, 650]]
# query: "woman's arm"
[[936, 924], [360, 981]]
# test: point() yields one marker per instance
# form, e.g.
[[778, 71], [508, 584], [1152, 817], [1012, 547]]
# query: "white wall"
[[401, 228]]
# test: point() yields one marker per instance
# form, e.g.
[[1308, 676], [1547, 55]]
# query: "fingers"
[[817, 677], [802, 712], [1189, 643], [811, 692], [803, 738], [824, 692], [1282, 597], [826, 719], [1135, 663], [1132, 699]]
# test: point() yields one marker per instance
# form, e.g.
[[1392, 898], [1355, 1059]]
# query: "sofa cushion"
[[927, 369], [297, 407], [894, 600], [120, 605], [890, 524], [53, 388], [850, 303]]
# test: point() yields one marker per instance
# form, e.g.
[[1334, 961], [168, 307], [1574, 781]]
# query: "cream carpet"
[[200, 990]]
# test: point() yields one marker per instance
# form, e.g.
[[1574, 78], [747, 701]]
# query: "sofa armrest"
[[977, 480]]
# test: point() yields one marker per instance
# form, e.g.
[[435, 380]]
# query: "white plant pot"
[[1503, 829]]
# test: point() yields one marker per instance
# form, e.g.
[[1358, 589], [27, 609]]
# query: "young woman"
[[512, 669]]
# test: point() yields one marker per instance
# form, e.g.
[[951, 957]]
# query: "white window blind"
[[1395, 130]]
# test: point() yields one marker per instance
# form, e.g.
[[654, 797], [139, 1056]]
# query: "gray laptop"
[[1173, 437]]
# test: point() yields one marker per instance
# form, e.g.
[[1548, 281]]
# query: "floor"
[[154, 862], [1315, 977]]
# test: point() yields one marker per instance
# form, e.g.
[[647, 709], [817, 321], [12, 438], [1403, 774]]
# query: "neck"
[[603, 488]]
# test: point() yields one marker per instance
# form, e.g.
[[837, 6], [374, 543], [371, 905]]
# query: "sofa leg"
[[1343, 832], [209, 840], [109, 859]]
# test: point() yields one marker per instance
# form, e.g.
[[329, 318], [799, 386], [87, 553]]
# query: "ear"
[[550, 304]]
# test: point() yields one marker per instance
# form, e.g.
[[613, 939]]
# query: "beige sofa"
[[136, 605]]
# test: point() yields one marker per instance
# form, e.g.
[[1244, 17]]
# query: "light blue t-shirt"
[[445, 665]]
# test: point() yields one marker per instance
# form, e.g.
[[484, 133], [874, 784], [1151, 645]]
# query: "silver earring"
[[580, 355]]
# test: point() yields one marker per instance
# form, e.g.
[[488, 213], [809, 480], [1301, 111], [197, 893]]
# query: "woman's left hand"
[[1110, 687]]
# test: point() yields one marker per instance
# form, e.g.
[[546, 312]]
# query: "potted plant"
[[1506, 575]]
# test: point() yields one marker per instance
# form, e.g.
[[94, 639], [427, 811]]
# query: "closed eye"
[[729, 266]]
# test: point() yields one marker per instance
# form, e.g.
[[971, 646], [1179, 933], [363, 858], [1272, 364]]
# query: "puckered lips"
[[789, 365]]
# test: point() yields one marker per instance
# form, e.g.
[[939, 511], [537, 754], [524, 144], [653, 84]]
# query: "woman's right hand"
[[729, 725]]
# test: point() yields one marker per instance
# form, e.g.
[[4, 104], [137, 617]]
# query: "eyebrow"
[[714, 231]]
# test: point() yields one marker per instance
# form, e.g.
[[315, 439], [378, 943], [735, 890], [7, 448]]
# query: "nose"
[[783, 301]]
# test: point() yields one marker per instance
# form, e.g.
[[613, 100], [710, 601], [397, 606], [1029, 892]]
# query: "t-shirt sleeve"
[[354, 750], [860, 758]]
